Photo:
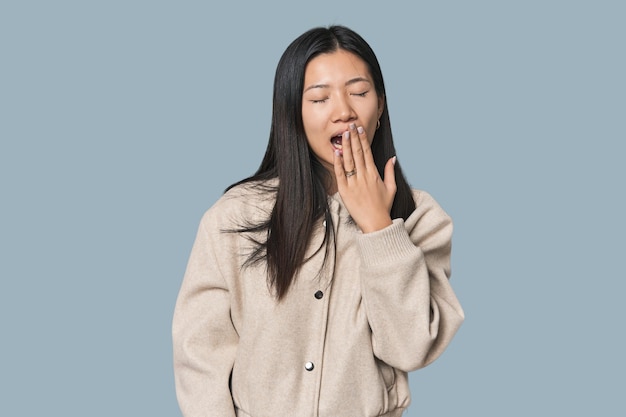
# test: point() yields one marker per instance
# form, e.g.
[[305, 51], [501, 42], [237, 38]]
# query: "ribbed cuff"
[[385, 246]]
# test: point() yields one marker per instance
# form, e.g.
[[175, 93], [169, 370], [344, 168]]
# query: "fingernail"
[[393, 160], [346, 134], [337, 152], [351, 125], [360, 129]]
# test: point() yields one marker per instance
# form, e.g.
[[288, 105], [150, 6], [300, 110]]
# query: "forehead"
[[336, 66]]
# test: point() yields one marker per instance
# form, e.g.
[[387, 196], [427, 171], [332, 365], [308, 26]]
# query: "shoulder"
[[248, 203], [428, 214], [424, 200]]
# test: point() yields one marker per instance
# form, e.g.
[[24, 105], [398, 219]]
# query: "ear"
[[381, 105]]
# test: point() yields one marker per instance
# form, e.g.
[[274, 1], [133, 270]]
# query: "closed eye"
[[318, 100], [363, 94]]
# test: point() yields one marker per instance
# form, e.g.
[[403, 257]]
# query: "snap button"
[[309, 366], [319, 295]]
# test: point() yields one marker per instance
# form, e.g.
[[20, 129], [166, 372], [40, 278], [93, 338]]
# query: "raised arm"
[[405, 269]]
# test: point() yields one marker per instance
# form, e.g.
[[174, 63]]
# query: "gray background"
[[122, 122]]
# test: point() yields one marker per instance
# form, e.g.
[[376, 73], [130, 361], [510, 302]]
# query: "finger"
[[368, 157], [340, 173], [346, 148], [357, 148], [390, 174]]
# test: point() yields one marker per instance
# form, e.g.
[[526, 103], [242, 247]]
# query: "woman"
[[315, 285]]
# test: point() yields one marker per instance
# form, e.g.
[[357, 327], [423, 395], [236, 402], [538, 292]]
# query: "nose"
[[343, 111]]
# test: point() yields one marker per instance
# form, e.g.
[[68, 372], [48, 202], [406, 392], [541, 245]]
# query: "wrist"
[[376, 224]]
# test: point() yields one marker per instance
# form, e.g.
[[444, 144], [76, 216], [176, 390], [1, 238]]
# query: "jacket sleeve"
[[405, 270], [204, 338]]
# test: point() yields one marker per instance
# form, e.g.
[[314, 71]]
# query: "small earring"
[[378, 124]]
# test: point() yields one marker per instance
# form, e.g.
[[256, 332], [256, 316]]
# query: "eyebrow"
[[349, 82]]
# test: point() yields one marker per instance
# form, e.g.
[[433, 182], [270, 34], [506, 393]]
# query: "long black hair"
[[301, 197]]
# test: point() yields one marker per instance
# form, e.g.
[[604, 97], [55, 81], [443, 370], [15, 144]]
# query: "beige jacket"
[[339, 344]]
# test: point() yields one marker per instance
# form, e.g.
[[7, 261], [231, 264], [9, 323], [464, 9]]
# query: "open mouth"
[[336, 142]]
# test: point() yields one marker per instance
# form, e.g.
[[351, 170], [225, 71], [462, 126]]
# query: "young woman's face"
[[338, 91]]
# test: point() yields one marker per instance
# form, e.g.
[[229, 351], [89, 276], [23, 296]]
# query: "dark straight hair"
[[301, 197]]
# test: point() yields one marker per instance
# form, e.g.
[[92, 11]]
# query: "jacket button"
[[309, 366], [319, 295]]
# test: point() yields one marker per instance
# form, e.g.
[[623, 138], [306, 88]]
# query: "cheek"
[[313, 123], [372, 122], [370, 113], [308, 115], [309, 131]]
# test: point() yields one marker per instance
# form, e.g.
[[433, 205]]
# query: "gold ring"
[[350, 173]]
